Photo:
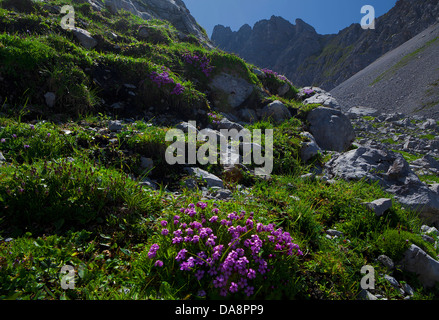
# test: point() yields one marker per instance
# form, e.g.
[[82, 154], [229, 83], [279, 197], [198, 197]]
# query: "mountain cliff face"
[[307, 57]]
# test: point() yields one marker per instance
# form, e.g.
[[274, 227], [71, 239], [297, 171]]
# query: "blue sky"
[[326, 16]]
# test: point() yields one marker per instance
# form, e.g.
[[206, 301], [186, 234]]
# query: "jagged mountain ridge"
[[307, 57]]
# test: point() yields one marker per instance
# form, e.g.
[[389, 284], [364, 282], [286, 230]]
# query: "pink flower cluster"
[[228, 255]]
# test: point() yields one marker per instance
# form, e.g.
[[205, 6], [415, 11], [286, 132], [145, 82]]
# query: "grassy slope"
[[69, 196]]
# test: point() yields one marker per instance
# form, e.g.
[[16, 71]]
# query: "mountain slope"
[[406, 79], [327, 61]]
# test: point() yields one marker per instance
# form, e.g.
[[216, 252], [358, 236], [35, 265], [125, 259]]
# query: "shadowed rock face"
[[174, 11], [308, 58]]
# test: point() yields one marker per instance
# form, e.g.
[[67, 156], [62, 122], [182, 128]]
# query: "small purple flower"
[[233, 287], [185, 267], [195, 239], [199, 274], [26, 146], [165, 232], [153, 251], [14, 136], [179, 89], [251, 274], [210, 242], [202, 205], [3, 140], [177, 240], [164, 223], [181, 255], [249, 291], [158, 263]]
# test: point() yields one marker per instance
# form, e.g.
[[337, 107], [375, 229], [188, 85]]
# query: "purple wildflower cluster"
[[271, 73], [308, 92], [228, 255], [200, 62], [163, 78], [214, 118]]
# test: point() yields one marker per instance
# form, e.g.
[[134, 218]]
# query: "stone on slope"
[[85, 38], [332, 129], [322, 97], [379, 206], [229, 91], [419, 262], [115, 125], [276, 111], [211, 180], [362, 112], [309, 149]]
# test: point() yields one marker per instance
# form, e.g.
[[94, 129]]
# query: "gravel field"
[[404, 80]]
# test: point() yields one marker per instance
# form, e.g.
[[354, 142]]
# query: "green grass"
[[408, 156]]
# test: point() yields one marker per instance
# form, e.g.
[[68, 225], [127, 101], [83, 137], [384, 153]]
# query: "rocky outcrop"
[[392, 172], [332, 129], [306, 57], [173, 11], [382, 140]]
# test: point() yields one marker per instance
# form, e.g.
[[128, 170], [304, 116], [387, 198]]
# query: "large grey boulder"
[[331, 128], [276, 111], [85, 38], [230, 91], [322, 97], [392, 172], [362, 112], [419, 262]]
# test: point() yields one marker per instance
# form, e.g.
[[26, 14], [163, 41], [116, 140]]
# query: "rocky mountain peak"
[[328, 60]]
